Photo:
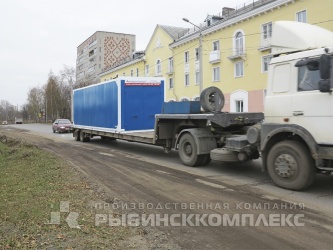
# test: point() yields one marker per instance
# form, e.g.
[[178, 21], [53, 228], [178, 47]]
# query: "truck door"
[[312, 109]]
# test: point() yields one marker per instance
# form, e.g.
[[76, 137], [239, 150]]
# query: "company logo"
[[71, 219], [141, 83]]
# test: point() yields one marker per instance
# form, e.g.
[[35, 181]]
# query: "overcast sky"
[[39, 36]]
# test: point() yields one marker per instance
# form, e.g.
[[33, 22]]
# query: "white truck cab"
[[298, 105]]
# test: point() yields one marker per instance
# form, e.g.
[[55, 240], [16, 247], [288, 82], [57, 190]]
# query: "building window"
[[267, 31], [197, 77], [301, 16], [92, 52], [239, 106], [197, 54], [239, 43], [265, 62], [170, 65], [187, 80], [239, 101], [187, 57], [171, 83], [158, 67], [216, 74], [131, 72], [216, 45], [239, 69], [137, 71], [147, 70]]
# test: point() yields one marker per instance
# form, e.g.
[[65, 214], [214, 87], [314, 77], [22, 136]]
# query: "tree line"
[[48, 102]]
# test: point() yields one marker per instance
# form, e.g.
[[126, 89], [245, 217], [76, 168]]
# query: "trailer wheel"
[[188, 151], [83, 138], [212, 99], [76, 135], [290, 165]]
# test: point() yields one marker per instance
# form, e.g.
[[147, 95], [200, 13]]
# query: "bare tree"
[[35, 104], [86, 81], [66, 84], [52, 97]]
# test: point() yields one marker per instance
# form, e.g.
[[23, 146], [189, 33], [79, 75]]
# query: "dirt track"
[[149, 188]]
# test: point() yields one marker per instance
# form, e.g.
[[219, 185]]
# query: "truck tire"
[[212, 99], [188, 151], [83, 138], [290, 165], [205, 159], [76, 135]]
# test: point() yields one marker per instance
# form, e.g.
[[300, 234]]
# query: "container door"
[[140, 103]]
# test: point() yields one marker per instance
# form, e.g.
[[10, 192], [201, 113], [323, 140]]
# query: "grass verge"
[[33, 183]]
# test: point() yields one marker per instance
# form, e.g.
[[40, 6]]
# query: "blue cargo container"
[[118, 105]]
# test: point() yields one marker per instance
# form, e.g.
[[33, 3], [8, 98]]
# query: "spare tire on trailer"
[[212, 99]]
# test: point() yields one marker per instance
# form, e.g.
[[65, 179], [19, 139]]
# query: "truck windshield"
[[308, 80]]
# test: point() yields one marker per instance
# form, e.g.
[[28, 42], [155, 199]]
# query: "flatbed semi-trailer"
[[193, 135], [294, 139]]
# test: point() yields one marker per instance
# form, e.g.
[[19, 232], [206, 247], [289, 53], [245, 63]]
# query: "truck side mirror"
[[325, 73], [325, 86], [325, 66]]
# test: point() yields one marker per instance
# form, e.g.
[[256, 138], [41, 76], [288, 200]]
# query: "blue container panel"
[[140, 104], [97, 106], [190, 107]]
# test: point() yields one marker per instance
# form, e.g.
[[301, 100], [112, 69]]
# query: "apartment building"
[[156, 60], [237, 50], [100, 52]]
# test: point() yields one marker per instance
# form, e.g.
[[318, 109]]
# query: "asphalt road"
[[143, 174]]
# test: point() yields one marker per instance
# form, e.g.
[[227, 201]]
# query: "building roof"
[[232, 16], [174, 32]]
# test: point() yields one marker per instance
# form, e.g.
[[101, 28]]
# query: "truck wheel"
[[212, 99], [188, 151], [205, 159], [290, 165], [83, 138], [77, 135]]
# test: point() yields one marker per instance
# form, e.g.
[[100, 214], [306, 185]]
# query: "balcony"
[[265, 44], [237, 54], [93, 43], [214, 56], [169, 70]]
